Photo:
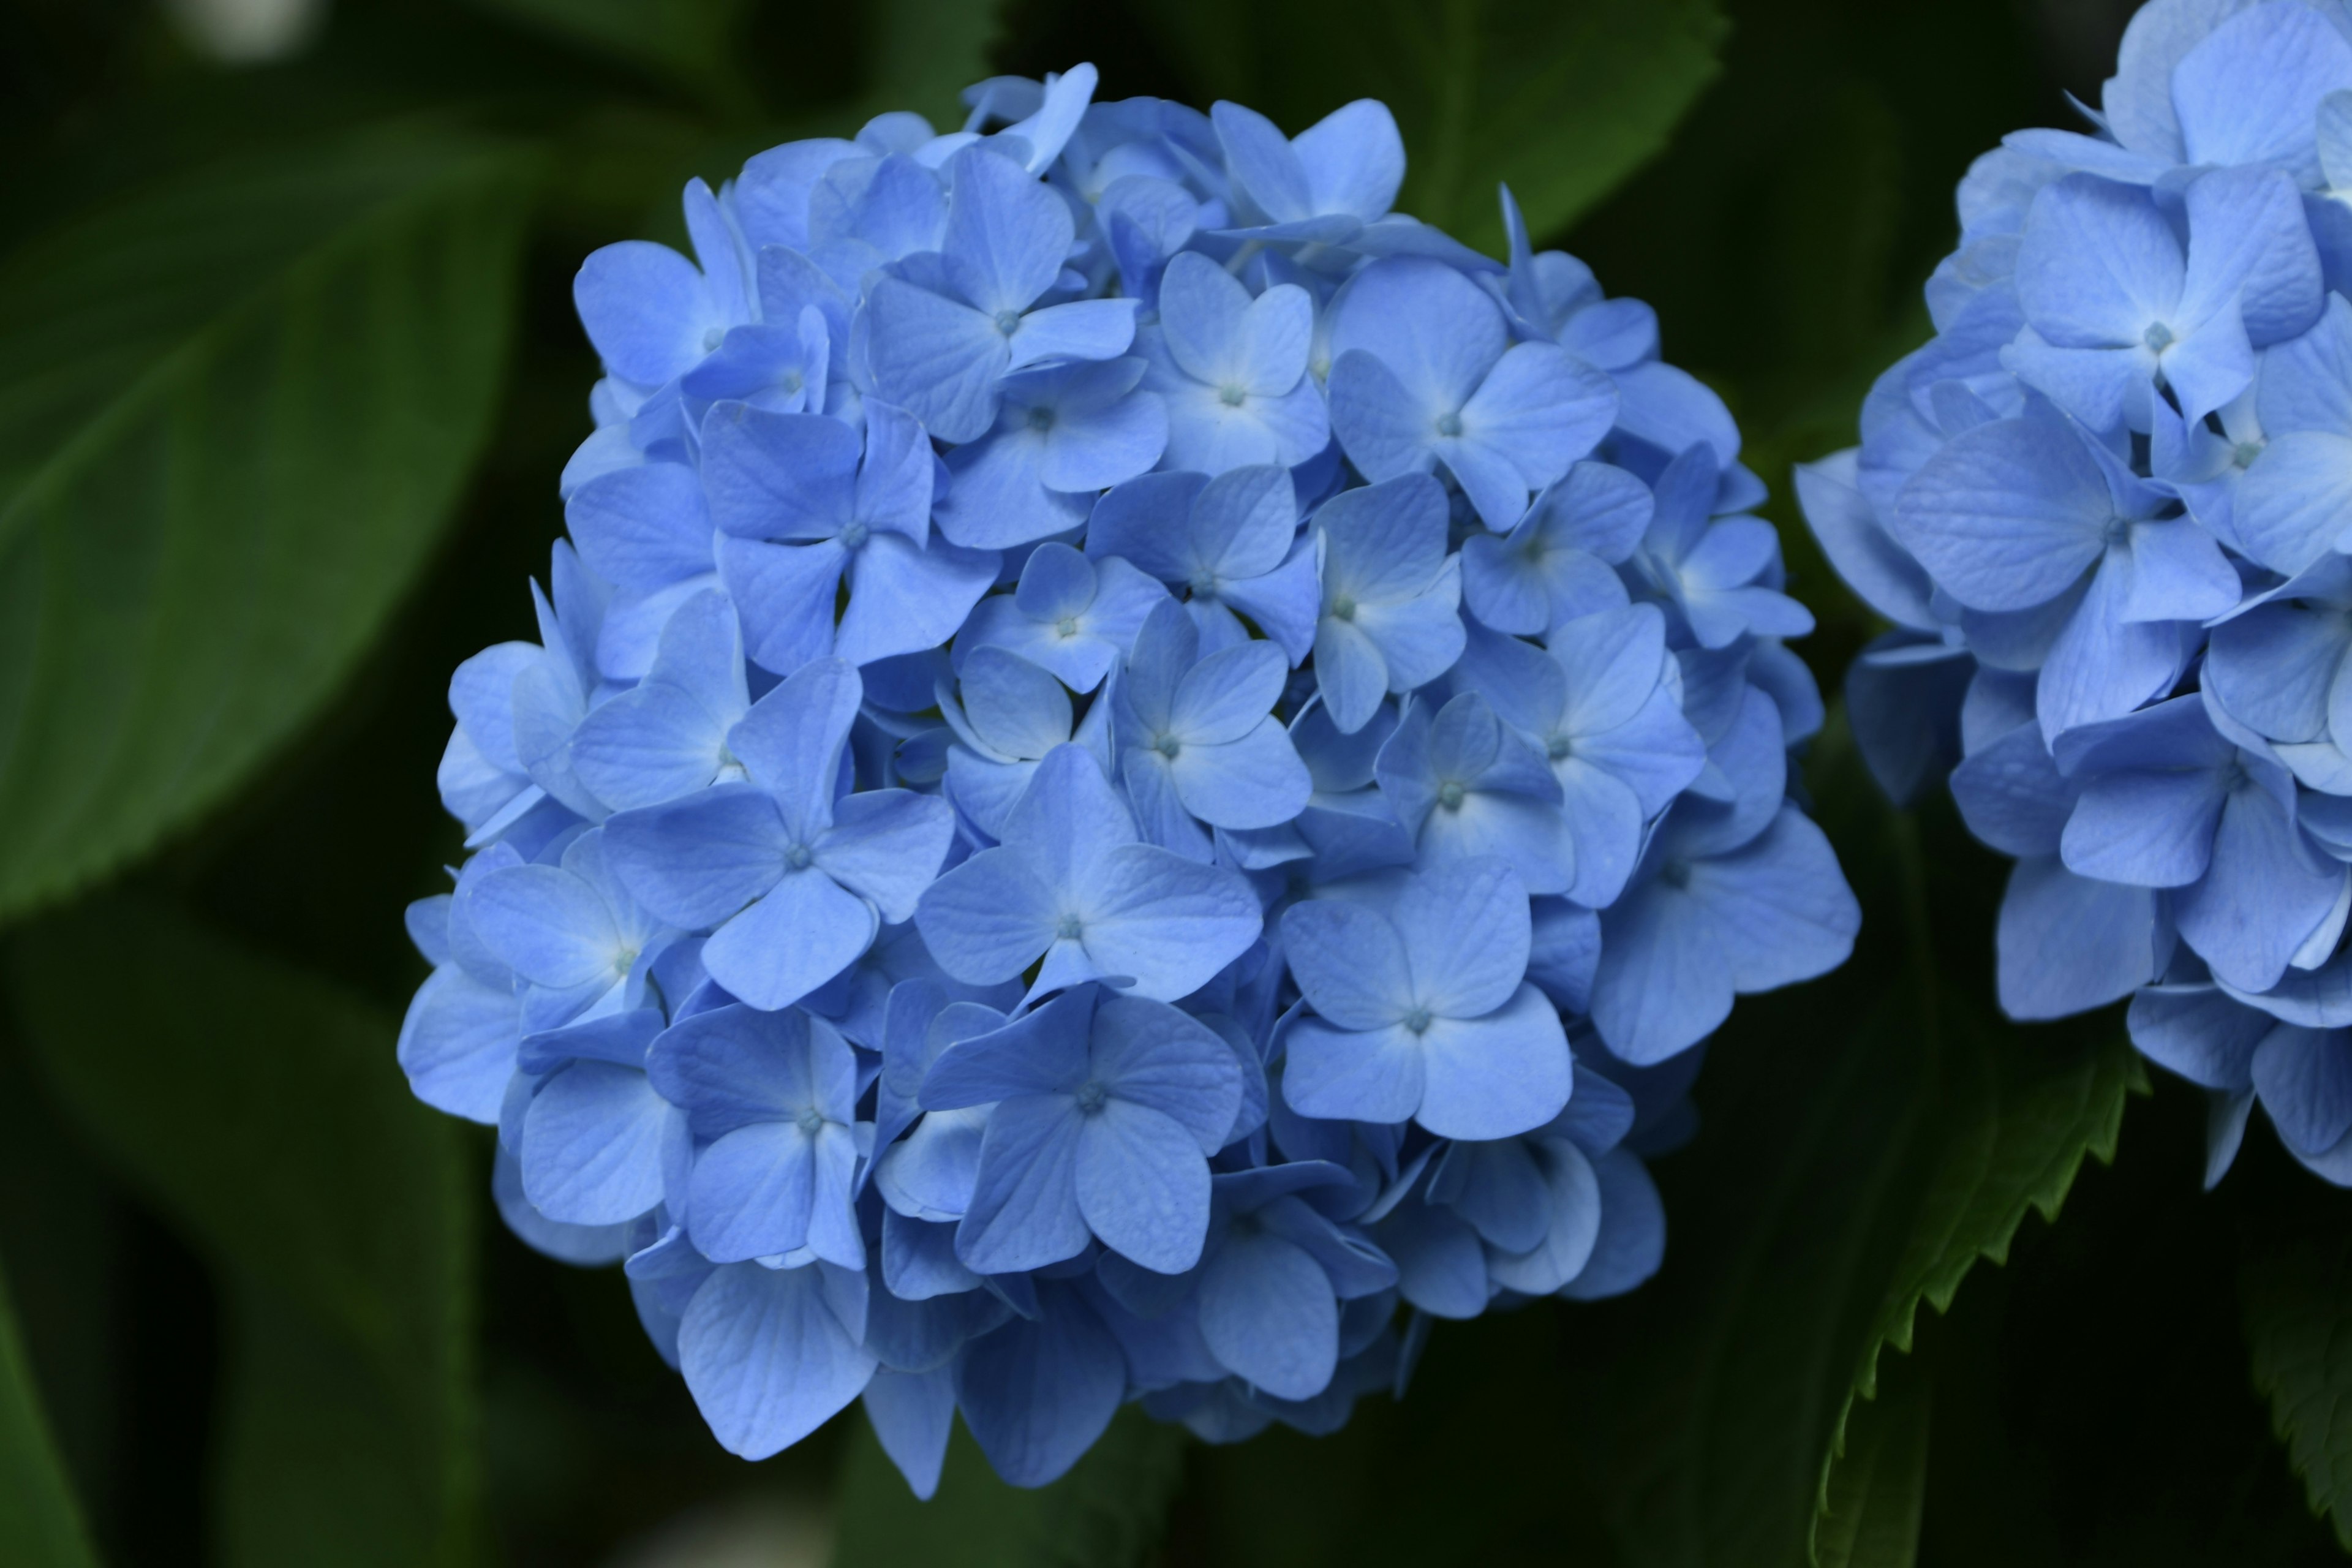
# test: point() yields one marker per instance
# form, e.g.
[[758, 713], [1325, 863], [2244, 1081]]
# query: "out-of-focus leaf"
[[2298, 1307], [1107, 1512], [234, 416], [1866, 1139], [1870, 1517], [1562, 100], [928, 51], [40, 1525], [261, 1109], [687, 40]]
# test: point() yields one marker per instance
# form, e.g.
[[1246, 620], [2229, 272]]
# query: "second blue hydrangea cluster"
[[2108, 509], [1139, 774]]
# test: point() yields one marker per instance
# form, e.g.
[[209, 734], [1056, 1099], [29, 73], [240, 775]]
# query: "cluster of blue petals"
[[2107, 508], [1140, 775]]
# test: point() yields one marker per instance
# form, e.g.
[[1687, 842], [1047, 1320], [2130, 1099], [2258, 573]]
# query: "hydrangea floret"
[[2105, 511], [1139, 776]]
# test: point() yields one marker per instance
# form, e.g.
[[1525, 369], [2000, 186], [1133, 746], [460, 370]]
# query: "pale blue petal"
[[988, 919], [2067, 944], [592, 1146], [913, 1415], [1495, 1076], [1024, 1206], [1373, 1075], [806, 931], [1143, 1186], [766, 1358], [1466, 929], [1269, 1316], [887, 845], [1167, 922], [1255, 780]]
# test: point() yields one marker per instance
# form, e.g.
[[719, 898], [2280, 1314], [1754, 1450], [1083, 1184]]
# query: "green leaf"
[[1865, 1140], [1107, 1512], [1870, 1517], [2299, 1308], [261, 1110], [690, 41], [234, 414], [40, 1525], [1562, 99], [928, 51]]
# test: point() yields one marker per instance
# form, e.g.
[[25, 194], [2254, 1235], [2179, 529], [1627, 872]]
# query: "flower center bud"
[[1450, 794], [1168, 746], [1344, 608], [1008, 322], [1449, 425], [712, 337], [1071, 928], [852, 536], [2159, 337], [1418, 1020], [811, 1121], [1041, 419], [797, 857], [1558, 747], [1067, 627], [1675, 874], [1231, 396], [1091, 1095], [2245, 452]]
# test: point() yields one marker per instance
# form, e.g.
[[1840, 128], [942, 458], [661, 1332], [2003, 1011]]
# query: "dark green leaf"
[[41, 1526], [261, 1110], [691, 41], [234, 416], [1560, 100], [1869, 1518], [1107, 1512], [928, 51], [1865, 1140], [2298, 1303]]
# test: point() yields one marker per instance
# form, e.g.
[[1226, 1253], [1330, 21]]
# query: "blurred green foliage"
[[286, 373]]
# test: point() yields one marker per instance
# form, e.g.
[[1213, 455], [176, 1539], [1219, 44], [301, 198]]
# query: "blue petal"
[[1024, 1207], [1371, 1075], [1143, 1184], [1495, 1076], [1268, 1313], [2304, 1077], [646, 310], [2007, 515], [2067, 944], [1149, 1054], [2200, 1032], [766, 1358], [1167, 923], [1573, 1206], [778, 476], [1465, 929], [1037, 1395], [804, 931], [914, 1414], [1632, 1239], [592, 1146]]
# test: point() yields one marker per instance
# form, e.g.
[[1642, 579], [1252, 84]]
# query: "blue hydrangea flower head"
[[2102, 509], [1124, 741]]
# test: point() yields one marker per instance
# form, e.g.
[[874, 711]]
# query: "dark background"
[[2092, 1401]]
